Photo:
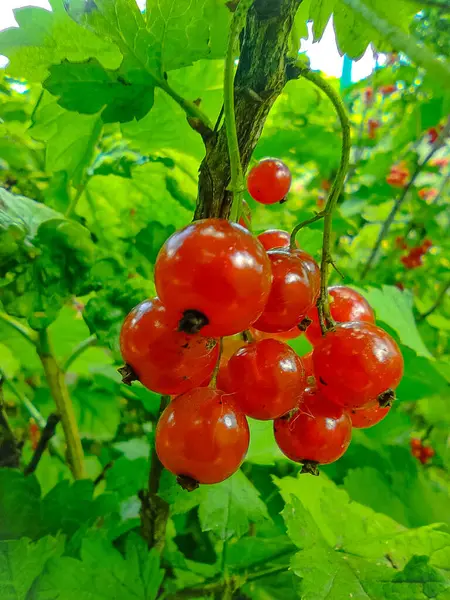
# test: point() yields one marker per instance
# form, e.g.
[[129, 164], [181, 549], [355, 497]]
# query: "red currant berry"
[[269, 181], [363, 418], [308, 364], [317, 431], [416, 443], [202, 435], [267, 379], [355, 363], [292, 293], [274, 238], [165, 360], [313, 268], [426, 453], [345, 305], [215, 276]]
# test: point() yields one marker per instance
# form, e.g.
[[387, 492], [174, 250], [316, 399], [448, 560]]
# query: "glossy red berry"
[[416, 443], [357, 362], [363, 418], [317, 431], [267, 379], [269, 181], [308, 365], [345, 305], [292, 294], [202, 435], [274, 238], [214, 276], [165, 360]]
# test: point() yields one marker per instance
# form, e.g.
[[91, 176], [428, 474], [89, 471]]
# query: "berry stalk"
[[325, 318], [237, 176]]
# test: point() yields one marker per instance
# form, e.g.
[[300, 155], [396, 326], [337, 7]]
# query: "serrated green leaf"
[[228, 508], [103, 573], [394, 307], [45, 38], [70, 137], [88, 88], [22, 562], [97, 409]]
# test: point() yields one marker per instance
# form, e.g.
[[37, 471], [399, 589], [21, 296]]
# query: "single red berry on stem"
[[269, 181], [363, 418], [165, 360], [267, 379], [274, 238], [292, 294], [215, 276], [202, 435], [355, 363], [345, 305], [317, 431]]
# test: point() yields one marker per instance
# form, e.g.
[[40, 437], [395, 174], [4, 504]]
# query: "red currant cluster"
[[387, 90], [398, 175], [372, 127], [219, 286], [428, 193], [421, 452], [413, 259]]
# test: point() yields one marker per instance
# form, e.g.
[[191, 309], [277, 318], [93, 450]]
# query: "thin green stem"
[[326, 321], [399, 202], [237, 176], [26, 332], [297, 228], [60, 393], [438, 302], [192, 110], [74, 201], [34, 414], [79, 349]]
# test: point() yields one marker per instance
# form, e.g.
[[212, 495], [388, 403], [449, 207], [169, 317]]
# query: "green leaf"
[[127, 477], [228, 508], [387, 22], [19, 496], [88, 88], [394, 307], [46, 38], [346, 550], [179, 32], [103, 573], [97, 409], [263, 449], [22, 562], [70, 137]]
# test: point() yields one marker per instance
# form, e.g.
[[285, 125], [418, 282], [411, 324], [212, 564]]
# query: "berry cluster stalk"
[[326, 320], [237, 175]]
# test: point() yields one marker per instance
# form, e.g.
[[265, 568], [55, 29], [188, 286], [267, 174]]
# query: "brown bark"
[[261, 75]]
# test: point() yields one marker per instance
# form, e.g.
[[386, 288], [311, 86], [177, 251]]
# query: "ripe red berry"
[[426, 453], [309, 368], [267, 379], [215, 276], [345, 305], [269, 181], [416, 443], [433, 134], [165, 360], [274, 238], [357, 362], [386, 90], [292, 294], [202, 435], [363, 418], [317, 431]]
